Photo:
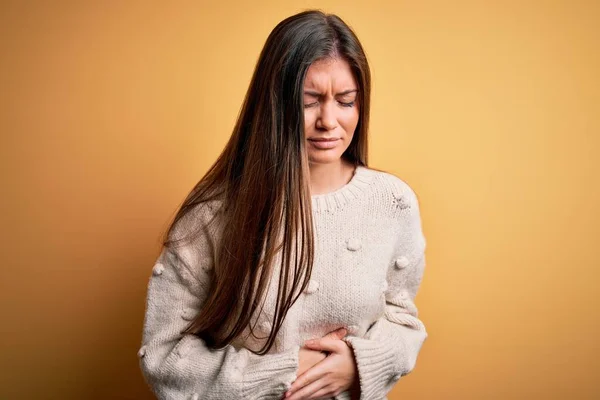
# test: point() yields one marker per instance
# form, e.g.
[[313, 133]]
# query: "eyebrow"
[[317, 94]]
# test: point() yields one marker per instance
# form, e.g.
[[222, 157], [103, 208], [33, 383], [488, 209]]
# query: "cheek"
[[349, 121], [309, 119]]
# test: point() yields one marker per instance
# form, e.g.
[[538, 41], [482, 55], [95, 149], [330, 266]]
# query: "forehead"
[[328, 74]]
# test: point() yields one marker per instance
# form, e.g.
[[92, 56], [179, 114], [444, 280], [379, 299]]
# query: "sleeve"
[[390, 347], [178, 366]]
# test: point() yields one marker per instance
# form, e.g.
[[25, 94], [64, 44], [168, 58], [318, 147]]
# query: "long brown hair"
[[261, 179]]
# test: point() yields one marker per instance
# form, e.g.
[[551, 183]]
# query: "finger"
[[338, 333], [324, 344], [307, 391], [312, 374], [326, 392]]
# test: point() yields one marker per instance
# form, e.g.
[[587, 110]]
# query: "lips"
[[324, 143]]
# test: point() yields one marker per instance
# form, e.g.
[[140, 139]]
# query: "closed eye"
[[342, 103]]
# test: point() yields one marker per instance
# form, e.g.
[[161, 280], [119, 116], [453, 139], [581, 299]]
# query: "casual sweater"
[[368, 266]]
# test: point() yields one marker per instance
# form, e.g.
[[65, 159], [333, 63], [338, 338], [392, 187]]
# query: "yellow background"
[[110, 112]]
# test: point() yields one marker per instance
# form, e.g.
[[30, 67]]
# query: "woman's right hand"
[[307, 358]]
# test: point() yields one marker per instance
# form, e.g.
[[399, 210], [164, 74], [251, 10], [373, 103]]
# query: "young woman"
[[290, 237]]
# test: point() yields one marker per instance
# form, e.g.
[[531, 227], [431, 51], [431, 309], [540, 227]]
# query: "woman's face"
[[330, 109]]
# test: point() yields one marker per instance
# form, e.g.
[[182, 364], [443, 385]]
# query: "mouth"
[[324, 143]]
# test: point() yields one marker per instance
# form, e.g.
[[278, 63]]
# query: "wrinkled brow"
[[317, 94]]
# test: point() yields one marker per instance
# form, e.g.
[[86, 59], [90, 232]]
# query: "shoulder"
[[392, 189], [196, 218], [401, 204]]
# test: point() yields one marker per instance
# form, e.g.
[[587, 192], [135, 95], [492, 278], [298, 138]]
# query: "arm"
[[389, 349], [180, 366]]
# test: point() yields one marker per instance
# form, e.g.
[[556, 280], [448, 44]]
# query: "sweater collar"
[[328, 202]]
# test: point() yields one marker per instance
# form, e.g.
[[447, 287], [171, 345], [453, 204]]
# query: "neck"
[[325, 178]]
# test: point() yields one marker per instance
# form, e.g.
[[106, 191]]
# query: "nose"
[[327, 119]]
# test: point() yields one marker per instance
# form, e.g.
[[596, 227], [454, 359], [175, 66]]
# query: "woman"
[[291, 237]]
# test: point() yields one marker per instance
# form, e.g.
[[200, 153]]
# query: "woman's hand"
[[308, 358], [328, 378]]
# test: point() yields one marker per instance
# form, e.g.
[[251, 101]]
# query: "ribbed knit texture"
[[369, 263]]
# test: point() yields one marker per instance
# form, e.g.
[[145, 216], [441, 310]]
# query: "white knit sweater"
[[369, 262]]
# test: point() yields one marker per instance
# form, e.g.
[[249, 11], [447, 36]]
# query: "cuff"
[[376, 364], [389, 353], [270, 375]]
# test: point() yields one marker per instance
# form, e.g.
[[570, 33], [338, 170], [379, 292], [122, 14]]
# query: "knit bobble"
[[401, 262], [195, 396], [158, 269], [353, 244], [142, 352], [188, 314], [312, 287]]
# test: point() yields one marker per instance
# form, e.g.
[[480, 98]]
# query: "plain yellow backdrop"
[[111, 111]]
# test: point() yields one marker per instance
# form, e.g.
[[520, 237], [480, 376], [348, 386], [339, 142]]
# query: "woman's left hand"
[[335, 374]]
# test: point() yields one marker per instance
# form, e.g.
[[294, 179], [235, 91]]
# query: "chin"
[[324, 158]]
